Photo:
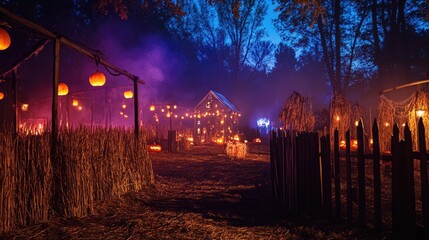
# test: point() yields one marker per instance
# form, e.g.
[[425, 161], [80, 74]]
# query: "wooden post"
[[55, 90], [361, 175], [349, 179], [136, 108], [337, 176], [273, 160], [326, 176], [409, 199], [57, 198], [424, 177], [15, 107], [377, 179], [395, 181]]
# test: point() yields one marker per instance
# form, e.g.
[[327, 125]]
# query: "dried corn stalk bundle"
[[236, 149], [297, 114], [401, 113], [341, 117]]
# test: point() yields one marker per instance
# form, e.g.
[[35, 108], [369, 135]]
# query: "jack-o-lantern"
[[128, 94], [63, 89], [4, 39], [97, 79]]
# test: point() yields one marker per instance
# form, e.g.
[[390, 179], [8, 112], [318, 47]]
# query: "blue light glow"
[[263, 122]]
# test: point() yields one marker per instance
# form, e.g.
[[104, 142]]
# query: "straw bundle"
[[298, 113], [100, 165], [25, 176], [236, 150], [88, 166], [341, 117]]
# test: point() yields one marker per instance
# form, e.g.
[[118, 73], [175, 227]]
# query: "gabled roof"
[[221, 98]]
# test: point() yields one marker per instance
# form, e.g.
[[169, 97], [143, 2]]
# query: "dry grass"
[[200, 193]]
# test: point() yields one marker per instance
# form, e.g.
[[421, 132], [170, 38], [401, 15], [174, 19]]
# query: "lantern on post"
[[97, 79], [63, 89], [1, 95], [128, 94], [4, 39]]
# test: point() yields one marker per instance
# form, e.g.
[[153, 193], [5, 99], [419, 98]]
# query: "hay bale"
[[236, 149], [90, 166]]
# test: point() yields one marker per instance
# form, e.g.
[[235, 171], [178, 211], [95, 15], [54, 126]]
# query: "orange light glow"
[[219, 141], [97, 79], [128, 94], [338, 118], [236, 138], [343, 144], [4, 39], [354, 144], [152, 108], [155, 148], [124, 106], [356, 123], [24, 107], [63, 89], [1, 95], [257, 140], [386, 124], [75, 102]]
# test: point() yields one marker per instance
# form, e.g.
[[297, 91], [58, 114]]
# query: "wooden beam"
[[72, 44], [405, 85]]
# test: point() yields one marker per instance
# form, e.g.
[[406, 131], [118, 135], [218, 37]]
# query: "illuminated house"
[[215, 119]]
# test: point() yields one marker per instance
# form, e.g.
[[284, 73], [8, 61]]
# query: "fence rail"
[[307, 174]]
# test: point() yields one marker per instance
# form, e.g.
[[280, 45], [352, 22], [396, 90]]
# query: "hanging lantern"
[[75, 103], [97, 79], [152, 108], [4, 39], [63, 89], [128, 94], [1, 95]]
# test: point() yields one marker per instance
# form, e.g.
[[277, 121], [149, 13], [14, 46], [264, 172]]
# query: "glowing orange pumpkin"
[[97, 79], [63, 89], [128, 94], [4, 39], [1, 95]]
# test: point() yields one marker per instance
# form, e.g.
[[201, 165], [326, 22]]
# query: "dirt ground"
[[199, 193]]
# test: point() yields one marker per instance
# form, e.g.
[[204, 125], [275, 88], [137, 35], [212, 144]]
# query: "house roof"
[[221, 98]]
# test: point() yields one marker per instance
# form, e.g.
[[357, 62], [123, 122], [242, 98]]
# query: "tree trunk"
[[337, 20]]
